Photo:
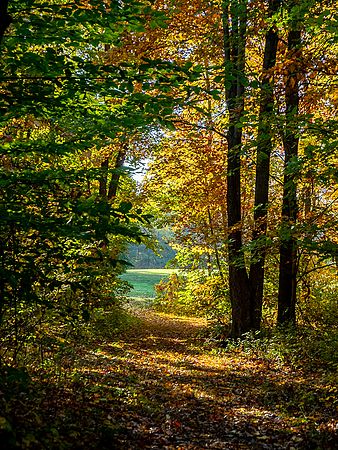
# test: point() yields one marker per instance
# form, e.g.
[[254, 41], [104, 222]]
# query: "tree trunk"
[[288, 246], [234, 26], [107, 191], [5, 18], [103, 178], [264, 148], [114, 181]]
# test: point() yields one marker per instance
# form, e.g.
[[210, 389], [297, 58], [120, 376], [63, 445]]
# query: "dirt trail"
[[159, 388]]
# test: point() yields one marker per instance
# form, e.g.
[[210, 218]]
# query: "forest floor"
[[159, 386]]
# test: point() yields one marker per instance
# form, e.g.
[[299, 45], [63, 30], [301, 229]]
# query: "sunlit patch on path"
[[158, 387]]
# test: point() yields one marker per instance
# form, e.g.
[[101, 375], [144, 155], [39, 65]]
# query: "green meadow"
[[144, 280]]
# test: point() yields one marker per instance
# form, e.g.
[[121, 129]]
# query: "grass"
[[144, 280]]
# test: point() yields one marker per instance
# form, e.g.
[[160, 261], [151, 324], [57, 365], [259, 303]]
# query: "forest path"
[[158, 387]]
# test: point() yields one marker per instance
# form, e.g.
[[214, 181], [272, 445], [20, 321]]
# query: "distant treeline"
[[142, 257]]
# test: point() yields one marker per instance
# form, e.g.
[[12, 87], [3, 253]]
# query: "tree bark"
[[5, 18], [264, 149], [109, 190], [104, 178], [234, 27], [114, 181], [288, 247]]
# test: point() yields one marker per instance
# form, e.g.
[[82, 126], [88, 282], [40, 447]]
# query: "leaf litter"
[[158, 386]]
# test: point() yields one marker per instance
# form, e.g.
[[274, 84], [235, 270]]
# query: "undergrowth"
[[302, 348]]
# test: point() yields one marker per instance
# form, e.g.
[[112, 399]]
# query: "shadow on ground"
[[158, 388]]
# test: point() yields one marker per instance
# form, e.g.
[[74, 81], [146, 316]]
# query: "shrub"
[[194, 292]]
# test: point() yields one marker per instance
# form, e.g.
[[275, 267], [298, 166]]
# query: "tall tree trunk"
[[5, 18], [114, 181], [264, 148], [107, 191], [288, 246], [103, 178], [234, 26]]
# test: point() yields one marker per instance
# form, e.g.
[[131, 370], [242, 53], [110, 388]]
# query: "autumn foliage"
[[231, 105]]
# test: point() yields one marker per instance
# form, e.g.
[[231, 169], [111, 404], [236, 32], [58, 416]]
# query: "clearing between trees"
[[162, 385]]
